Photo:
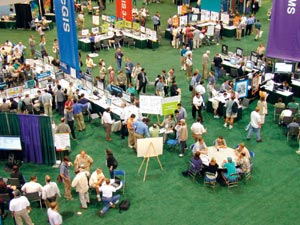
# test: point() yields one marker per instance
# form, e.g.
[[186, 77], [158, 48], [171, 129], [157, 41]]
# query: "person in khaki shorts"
[[20, 207], [130, 131], [65, 175]]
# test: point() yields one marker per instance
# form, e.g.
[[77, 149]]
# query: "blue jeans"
[[255, 130], [119, 64], [106, 202], [217, 72]]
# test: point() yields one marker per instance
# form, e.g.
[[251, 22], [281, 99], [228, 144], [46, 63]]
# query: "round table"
[[219, 154]]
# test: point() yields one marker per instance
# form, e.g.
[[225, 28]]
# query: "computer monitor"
[[249, 65], [233, 60], [239, 52], [282, 67], [254, 57]]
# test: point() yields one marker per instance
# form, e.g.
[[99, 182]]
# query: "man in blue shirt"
[[250, 22], [140, 130], [77, 111]]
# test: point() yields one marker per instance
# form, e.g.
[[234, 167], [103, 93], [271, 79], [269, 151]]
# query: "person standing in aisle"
[[255, 125]]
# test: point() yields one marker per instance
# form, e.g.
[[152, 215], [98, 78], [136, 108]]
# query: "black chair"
[[105, 44], [34, 197], [293, 132], [14, 182]]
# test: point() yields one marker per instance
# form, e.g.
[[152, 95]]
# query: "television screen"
[[254, 57], [10, 143], [281, 67], [249, 65], [233, 60], [239, 52]]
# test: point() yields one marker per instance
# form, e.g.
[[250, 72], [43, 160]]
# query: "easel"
[[147, 157]]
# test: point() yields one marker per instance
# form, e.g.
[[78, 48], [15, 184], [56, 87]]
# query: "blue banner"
[[67, 36], [43, 75]]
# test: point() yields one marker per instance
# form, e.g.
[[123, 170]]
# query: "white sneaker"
[[298, 152], [180, 155], [225, 124], [98, 198], [230, 126], [216, 117]]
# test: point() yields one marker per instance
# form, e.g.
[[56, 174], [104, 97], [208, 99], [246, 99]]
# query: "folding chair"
[[105, 44], [193, 171], [14, 182], [34, 197], [232, 182], [121, 173], [277, 112], [210, 179], [172, 144], [293, 132]]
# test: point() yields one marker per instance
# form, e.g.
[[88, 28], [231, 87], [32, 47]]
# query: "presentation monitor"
[[224, 49], [95, 30], [233, 60], [249, 65], [254, 57], [239, 52], [10, 143], [282, 67]]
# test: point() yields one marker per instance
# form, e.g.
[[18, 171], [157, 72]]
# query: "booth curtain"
[[9, 124], [47, 140], [30, 137]]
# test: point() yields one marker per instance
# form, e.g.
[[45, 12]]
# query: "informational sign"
[[29, 84], [14, 92], [67, 35], [119, 24], [44, 75], [95, 20], [104, 27], [214, 16], [128, 24], [136, 26], [183, 20], [169, 105], [205, 15], [124, 9], [150, 104], [210, 30], [225, 18], [62, 142]]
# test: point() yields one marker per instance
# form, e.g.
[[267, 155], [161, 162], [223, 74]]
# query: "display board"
[[150, 104], [169, 105], [62, 142], [10, 143], [14, 92], [149, 147]]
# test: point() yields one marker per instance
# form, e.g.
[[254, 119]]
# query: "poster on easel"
[[149, 147], [62, 141], [119, 24], [14, 92], [225, 18], [150, 104], [169, 104], [128, 24], [104, 28], [96, 20]]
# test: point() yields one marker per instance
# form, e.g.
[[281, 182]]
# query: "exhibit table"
[[221, 108], [274, 95], [296, 88], [7, 24], [220, 154]]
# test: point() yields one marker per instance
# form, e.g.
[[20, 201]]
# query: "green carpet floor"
[[270, 197]]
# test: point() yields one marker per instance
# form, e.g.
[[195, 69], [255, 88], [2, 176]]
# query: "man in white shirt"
[[80, 181], [107, 195], [50, 191], [197, 106], [285, 113], [197, 129], [255, 125], [107, 122], [32, 186], [96, 180], [19, 207], [53, 215], [47, 102]]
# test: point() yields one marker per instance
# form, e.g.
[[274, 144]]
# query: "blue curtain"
[[30, 137]]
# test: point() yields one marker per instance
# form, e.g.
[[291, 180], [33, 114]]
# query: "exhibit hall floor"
[[270, 197]]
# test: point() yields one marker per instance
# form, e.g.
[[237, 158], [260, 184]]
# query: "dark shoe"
[[248, 139], [259, 140]]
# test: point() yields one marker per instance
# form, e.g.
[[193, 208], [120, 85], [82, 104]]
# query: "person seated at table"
[[96, 180], [293, 104], [225, 86], [241, 148], [279, 104], [196, 165], [229, 165], [17, 174], [244, 164], [285, 86], [131, 89], [200, 147], [293, 124], [113, 40], [32, 186], [220, 142], [212, 168]]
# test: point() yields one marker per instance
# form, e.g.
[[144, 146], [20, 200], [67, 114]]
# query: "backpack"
[[234, 108], [124, 205]]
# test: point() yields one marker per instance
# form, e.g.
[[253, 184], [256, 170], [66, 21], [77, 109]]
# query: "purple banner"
[[284, 36]]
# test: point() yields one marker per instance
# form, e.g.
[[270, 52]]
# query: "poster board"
[[241, 87], [225, 18], [95, 20], [119, 24], [210, 30], [104, 28], [14, 92], [183, 20], [150, 104], [205, 15], [128, 24], [135, 26], [62, 141], [214, 16], [255, 84], [144, 148], [169, 105]]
